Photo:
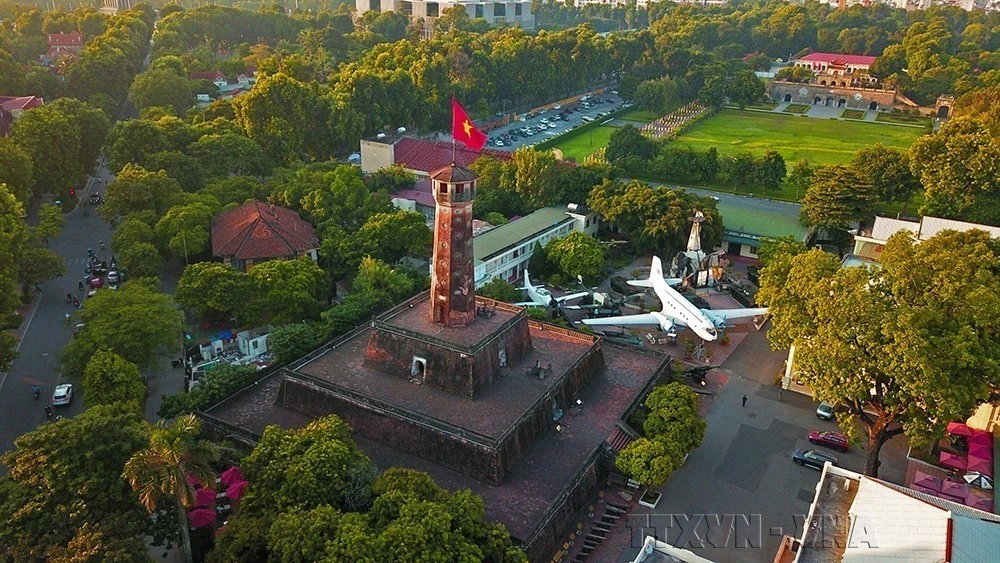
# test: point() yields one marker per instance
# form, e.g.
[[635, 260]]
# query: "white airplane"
[[542, 297], [678, 311]]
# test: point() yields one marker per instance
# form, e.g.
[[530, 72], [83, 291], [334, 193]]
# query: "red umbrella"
[[959, 429], [955, 489], [204, 497], [951, 461], [980, 437], [232, 475], [927, 483], [923, 489], [981, 465], [981, 450], [200, 517], [235, 491]]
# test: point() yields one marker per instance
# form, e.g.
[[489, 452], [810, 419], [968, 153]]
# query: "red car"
[[96, 283], [832, 440]]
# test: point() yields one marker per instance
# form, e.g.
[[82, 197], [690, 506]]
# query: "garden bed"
[[853, 114], [796, 108]]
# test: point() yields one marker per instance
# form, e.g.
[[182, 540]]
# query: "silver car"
[[63, 395]]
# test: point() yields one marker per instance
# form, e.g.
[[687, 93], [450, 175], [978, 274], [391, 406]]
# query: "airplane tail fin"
[[657, 281], [527, 281]]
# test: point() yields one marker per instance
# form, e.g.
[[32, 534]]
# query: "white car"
[[499, 143], [112, 276], [63, 395]]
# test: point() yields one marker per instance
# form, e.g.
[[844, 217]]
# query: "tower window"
[[442, 188], [459, 188]]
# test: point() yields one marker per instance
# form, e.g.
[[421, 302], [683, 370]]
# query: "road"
[[45, 330], [744, 202]]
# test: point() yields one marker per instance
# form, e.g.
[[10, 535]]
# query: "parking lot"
[[530, 131]]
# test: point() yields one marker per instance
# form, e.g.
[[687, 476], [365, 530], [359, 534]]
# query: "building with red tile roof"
[[11, 107], [211, 76], [256, 232], [70, 42], [419, 156], [821, 62]]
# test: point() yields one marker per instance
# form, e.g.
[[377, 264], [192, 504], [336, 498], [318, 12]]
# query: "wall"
[[884, 98], [398, 430], [376, 155]]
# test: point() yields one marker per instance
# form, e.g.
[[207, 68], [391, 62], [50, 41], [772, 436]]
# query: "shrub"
[[217, 384]]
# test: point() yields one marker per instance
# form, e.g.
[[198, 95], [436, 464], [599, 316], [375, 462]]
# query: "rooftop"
[[14, 103], [885, 227], [536, 480], [430, 156], [415, 321], [759, 222], [492, 412], [511, 234], [839, 58], [71, 39], [258, 230]]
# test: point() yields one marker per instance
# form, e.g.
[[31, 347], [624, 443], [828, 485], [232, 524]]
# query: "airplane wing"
[[581, 307], [733, 314], [528, 304], [649, 283], [572, 296], [643, 319]]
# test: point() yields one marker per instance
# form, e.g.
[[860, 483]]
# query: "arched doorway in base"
[[829, 101], [817, 100], [788, 97], [873, 105], [842, 103], [943, 112]]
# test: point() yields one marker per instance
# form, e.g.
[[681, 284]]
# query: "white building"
[[868, 244], [517, 12], [504, 251]]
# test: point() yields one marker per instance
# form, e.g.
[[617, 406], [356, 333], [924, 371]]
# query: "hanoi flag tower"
[[453, 281]]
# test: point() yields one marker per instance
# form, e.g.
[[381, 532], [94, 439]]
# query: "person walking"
[[744, 401], [781, 391]]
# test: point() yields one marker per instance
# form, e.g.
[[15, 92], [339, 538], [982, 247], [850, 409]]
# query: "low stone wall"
[[832, 96]]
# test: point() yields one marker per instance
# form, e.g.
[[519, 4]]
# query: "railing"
[[405, 414]]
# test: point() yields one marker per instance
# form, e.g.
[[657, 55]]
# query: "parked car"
[[96, 283], [812, 458], [824, 411], [112, 276], [63, 395], [832, 440]]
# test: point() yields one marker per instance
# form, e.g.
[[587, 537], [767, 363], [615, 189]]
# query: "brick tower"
[[453, 287]]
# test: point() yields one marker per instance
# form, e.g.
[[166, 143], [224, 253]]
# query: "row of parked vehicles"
[[549, 121]]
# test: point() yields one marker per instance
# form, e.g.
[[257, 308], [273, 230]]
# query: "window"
[[432, 10], [408, 8], [442, 188], [517, 9], [479, 11], [459, 188], [499, 10]]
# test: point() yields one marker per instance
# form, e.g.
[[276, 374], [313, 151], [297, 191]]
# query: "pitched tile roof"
[[839, 58], [14, 103], [429, 156], [71, 39], [258, 230]]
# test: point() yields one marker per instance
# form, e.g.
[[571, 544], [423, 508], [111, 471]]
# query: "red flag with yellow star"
[[463, 130]]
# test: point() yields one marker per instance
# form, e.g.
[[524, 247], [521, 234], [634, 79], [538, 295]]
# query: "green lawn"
[[640, 115], [820, 141], [581, 145]]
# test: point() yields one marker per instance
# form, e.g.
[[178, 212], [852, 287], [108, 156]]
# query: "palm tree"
[[160, 471]]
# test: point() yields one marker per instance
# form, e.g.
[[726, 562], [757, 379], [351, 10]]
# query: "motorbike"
[[48, 411], [36, 392], [69, 297], [76, 301]]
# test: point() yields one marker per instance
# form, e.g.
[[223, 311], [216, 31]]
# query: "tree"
[[141, 260], [131, 141], [577, 254], [109, 379], [65, 486], [768, 172], [888, 170], [56, 167], [184, 230], [38, 264], [135, 322], [160, 472], [138, 191], [501, 290], [221, 156], [160, 87], [392, 178], [50, 222], [93, 125], [217, 291], [673, 416], [628, 142], [801, 177], [905, 348], [838, 197], [959, 167], [651, 462], [713, 92], [292, 341], [130, 232], [745, 89], [13, 240], [289, 290], [779, 248], [535, 174], [388, 237], [305, 468], [16, 170]]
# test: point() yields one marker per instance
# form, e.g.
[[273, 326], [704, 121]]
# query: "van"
[[587, 119]]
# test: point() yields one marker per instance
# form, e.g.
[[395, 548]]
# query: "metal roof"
[[506, 236]]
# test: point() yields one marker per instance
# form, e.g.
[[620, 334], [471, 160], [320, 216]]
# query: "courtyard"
[[820, 141], [580, 145]]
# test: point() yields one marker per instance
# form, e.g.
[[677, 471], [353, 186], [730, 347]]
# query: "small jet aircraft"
[[678, 311], [602, 305], [542, 297]]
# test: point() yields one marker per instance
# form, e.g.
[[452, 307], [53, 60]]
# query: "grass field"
[[580, 146], [820, 141], [640, 115]]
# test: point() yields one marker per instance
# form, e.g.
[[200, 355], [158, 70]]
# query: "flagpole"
[[454, 159]]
